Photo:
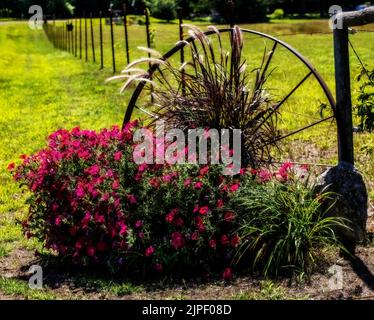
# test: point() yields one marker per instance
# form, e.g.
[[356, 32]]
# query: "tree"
[[242, 10], [164, 9]]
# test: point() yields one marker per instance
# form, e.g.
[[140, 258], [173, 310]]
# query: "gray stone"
[[349, 192]]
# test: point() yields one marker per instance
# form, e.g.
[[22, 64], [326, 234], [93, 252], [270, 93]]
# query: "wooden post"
[[54, 31], [92, 39], [76, 37], [126, 33], [72, 36], [80, 38], [343, 111], [112, 39], [231, 11], [101, 41], [66, 36], [85, 38]]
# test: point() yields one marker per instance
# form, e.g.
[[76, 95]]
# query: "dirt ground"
[[357, 276]]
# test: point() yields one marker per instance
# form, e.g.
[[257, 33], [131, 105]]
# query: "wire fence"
[[80, 37], [87, 37]]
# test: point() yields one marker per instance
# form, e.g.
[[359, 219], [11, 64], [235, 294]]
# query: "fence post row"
[[67, 36]]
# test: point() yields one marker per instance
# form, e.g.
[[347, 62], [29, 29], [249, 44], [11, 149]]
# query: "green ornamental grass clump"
[[283, 222]]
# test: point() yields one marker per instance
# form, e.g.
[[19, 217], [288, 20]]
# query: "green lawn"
[[43, 89]]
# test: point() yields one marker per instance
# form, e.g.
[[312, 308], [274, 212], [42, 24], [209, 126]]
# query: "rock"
[[349, 192]]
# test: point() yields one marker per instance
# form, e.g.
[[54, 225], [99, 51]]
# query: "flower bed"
[[92, 204]]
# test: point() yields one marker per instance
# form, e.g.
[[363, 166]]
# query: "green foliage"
[[5, 13], [283, 225], [15, 287], [243, 10], [277, 14], [164, 9], [364, 108]]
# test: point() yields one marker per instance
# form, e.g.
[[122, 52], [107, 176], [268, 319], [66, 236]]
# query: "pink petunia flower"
[[198, 185], [149, 251], [204, 210], [117, 156], [227, 274], [177, 240]]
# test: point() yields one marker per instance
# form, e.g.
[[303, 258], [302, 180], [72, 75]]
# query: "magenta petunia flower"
[[198, 185], [227, 274], [149, 251], [118, 156]]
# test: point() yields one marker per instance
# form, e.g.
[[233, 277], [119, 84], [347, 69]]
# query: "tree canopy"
[[242, 10]]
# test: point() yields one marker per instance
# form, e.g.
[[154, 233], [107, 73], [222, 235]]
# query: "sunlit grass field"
[[43, 89]]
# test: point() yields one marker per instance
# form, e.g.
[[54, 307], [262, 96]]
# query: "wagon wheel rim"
[[311, 72]]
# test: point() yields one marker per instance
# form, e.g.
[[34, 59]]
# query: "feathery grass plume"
[[214, 88]]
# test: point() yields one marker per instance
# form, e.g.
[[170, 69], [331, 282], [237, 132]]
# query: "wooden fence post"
[[101, 41], [343, 111], [345, 183], [92, 39], [231, 12], [68, 35], [126, 33], [85, 38], [80, 38], [112, 39], [72, 36], [76, 37]]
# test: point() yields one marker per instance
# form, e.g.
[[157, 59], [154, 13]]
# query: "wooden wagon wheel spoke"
[[255, 112], [191, 40], [278, 105], [269, 142]]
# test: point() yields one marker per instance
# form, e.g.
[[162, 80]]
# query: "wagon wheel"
[[289, 91]]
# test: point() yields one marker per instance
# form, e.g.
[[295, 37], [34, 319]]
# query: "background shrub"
[[164, 9], [364, 108], [277, 14]]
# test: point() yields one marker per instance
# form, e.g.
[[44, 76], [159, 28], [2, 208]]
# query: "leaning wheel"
[[281, 93]]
